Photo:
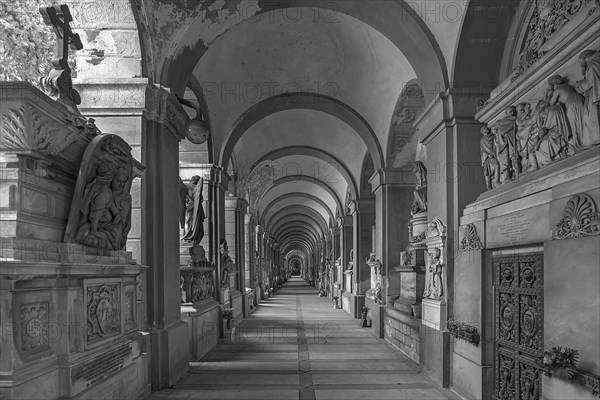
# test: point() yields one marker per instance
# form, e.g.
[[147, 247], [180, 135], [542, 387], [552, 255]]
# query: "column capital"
[[394, 177], [455, 105], [163, 107], [345, 220]]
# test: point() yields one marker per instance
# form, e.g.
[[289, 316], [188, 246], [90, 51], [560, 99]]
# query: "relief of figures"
[[100, 214], [564, 121], [433, 278]]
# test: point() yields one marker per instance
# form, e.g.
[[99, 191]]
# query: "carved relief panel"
[[34, 327], [104, 309], [519, 326]]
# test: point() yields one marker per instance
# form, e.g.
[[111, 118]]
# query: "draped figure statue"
[[420, 194], [589, 87], [194, 213]]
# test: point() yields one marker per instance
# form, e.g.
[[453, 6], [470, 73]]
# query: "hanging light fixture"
[[197, 130]]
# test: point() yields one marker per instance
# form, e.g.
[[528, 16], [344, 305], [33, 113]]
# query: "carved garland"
[[470, 241], [580, 218]]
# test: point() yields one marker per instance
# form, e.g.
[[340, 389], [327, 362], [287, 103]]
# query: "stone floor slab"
[[297, 346]]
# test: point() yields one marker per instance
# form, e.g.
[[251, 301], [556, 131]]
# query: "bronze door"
[[518, 303]]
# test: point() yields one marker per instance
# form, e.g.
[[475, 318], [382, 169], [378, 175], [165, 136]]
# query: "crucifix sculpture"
[[58, 84]]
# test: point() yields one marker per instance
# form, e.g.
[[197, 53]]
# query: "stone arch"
[[306, 101], [316, 153], [265, 212], [411, 36], [296, 178]]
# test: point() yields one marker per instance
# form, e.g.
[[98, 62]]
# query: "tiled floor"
[[297, 346]]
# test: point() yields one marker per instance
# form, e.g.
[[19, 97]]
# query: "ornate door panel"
[[518, 303]]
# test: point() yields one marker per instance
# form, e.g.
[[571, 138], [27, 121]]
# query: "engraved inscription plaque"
[[94, 370], [518, 228]]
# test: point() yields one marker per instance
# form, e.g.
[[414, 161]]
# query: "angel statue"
[[191, 213]]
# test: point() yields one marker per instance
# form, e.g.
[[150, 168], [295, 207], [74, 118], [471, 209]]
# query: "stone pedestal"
[[412, 280], [348, 284], [376, 291], [203, 320], [70, 311], [435, 314]]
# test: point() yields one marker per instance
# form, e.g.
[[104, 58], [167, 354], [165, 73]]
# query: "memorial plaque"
[[95, 370], [520, 227]]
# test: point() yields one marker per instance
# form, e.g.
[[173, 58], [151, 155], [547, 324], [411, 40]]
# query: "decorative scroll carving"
[[34, 327], [25, 128], [103, 311], [257, 182], [548, 18], [100, 214], [406, 116], [470, 240], [580, 218], [435, 228]]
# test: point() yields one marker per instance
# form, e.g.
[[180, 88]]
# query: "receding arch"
[[295, 211], [316, 153], [311, 197], [301, 220], [295, 231], [304, 101], [303, 178]]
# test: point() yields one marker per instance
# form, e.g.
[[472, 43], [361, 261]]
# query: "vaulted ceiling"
[[311, 89]]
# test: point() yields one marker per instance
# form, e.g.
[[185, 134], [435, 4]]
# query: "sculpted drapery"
[[191, 210]]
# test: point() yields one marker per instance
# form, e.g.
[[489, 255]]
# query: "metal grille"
[[518, 303]]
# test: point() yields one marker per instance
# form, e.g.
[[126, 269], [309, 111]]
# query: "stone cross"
[[60, 17]]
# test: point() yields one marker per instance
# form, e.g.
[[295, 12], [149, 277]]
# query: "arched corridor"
[[297, 346], [300, 199]]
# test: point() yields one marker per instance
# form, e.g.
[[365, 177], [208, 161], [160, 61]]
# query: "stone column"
[[215, 215], [164, 122], [451, 135], [393, 191]]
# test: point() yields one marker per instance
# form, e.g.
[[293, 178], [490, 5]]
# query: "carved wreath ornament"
[[580, 218]]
